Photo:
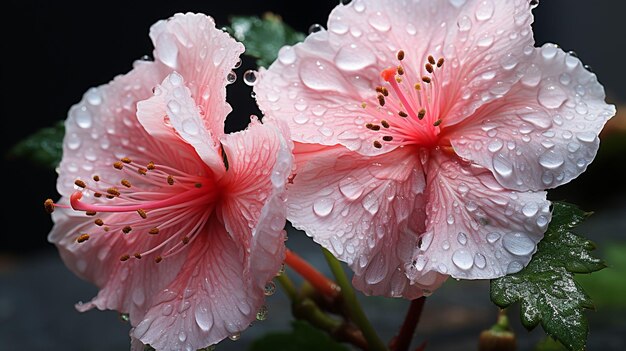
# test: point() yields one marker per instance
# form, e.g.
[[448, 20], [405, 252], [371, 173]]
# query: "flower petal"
[[254, 209], [319, 86], [172, 114], [191, 45], [544, 132], [476, 229], [367, 211], [210, 299]]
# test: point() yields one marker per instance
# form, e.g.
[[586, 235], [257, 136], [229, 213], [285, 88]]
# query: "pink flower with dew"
[[426, 134], [177, 223]]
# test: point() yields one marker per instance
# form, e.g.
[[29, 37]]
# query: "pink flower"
[[177, 223], [426, 134]]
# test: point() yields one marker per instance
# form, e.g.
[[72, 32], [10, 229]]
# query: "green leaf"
[[546, 289], [43, 148], [263, 37], [303, 337]]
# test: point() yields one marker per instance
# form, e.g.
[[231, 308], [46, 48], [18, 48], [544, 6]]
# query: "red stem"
[[312, 275], [402, 341]]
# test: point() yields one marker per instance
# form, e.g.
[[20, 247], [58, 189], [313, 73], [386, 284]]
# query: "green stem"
[[353, 307], [288, 286]]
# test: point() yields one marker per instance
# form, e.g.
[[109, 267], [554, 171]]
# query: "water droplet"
[[518, 243], [235, 336], [532, 76], [337, 25], [167, 310], [495, 145], [542, 221], [485, 41], [514, 267], [463, 188], [300, 118], [231, 77], [551, 160], [82, 117], [351, 188], [586, 137], [565, 79], [190, 126], [530, 209], [286, 55], [73, 141], [458, 3], [370, 203], [323, 206], [250, 77], [548, 51], [314, 28], [442, 268], [317, 75], [420, 262], [461, 238], [573, 146], [261, 314], [502, 166], [462, 258], [125, 317], [445, 245], [353, 58], [551, 96], [379, 21], [182, 336], [138, 296], [464, 23], [359, 6], [167, 50], [480, 261], [450, 219], [534, 3], [269, 289], [93, 97], [493, 237], [485, 10]]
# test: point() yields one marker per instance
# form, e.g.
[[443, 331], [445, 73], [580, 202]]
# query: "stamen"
[[97, 195], [377, 144], [142, 171], [373, 127], [150, 165], [417, 86], [363, 105], [381, 100], [126, 160], [153, 231], [96, 178], [90, 213], [402, 114], [142, 213], [437, 122], [198, 185], [387, 138], [137, 255], [49, 205], [431, 59], [426, 79], [400, 70], [127, 229], [124, 258], [385, 91], [429, 68], [421, 114], [113, 191], [99, 222], [80, 183], [440, 62], [82, 238], [170, 180], [126, 183], [185, 240], [118, 165], [400, 55], [158, 259], [384, 123]]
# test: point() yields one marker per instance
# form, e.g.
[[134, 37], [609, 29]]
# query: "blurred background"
[[52, 52]]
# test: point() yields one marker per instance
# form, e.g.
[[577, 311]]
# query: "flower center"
[[412, 104], [149, 199]]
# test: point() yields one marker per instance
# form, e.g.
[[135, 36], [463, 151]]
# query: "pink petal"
[[204, 55], [211, 298], [368, 211], [172, 114], [475, 228], [544, 132], [337, 70], [253, 208]]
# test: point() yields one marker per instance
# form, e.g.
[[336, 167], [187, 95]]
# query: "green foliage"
[[607, 286], [263, 37], [43, 148], [303, 337], [546, 289]]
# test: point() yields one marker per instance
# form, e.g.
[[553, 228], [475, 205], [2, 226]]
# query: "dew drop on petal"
[[464, 23], [463, 259], [551, 96], [182, 336], [300, 118], [532, 76], [502, 166], [450, 219], [190, 127], [586, 137], [93, 97], [314, 28], [231, 77], [551, 160], [493, 237], [542, 221], [514, 267], [548, 51], [457, 3], [83, 117], [518, 243], [495, 145], [269, 289], [480, 261], [235, 336], [461, 238], [530, 209], [250, 77], [485, 10], [370, 203], [353, 58], [286, 55], [323, 206], [379, 21], [351, 188], [261, 314], [359, 6]]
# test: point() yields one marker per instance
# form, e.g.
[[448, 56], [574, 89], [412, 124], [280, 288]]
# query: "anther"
[[421, 114], [96, 178], [153, 231], [426, 79], [431, 59], [90, 213], [150, 165], [417, 86], [185, 240], [142, 213], [429, 68], [127, 229], [381, 100], [99, 222], [387, 138], [373, 127], [82, 238], [402, 114], [118, 165], [400, 55], [170, 180], [124, 258], [106, 229], [379, 89], [125, 182], [137, 255], [80, 183], [49, 205], [385, 91], [126, 160], [400, 70], [158, 259], [377, 144], [437, 122], [384, 123], [363, 105], [398, 79], [97, 194], [113, 191], [142, 171], [440, 62]]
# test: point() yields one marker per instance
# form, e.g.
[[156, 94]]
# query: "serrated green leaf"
[[263, 37], [43, 148], [303, 337], [546, 289]]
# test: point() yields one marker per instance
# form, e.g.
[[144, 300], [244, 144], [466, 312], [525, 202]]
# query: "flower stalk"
[[402, 341]]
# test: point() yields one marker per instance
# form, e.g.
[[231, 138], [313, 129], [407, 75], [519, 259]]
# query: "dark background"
[[52, 52]]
